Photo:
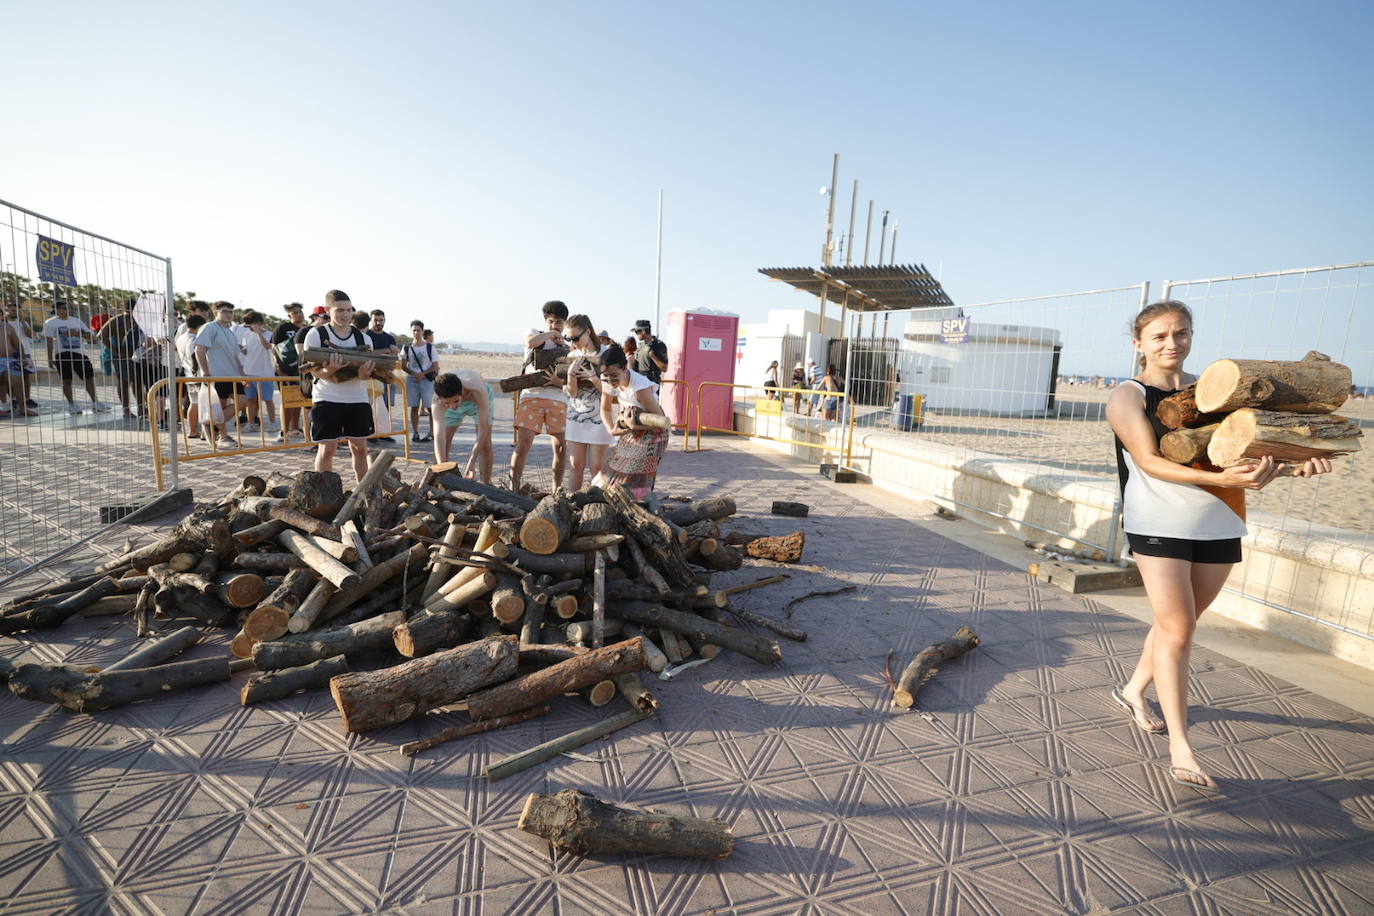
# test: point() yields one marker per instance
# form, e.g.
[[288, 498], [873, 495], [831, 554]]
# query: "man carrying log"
[[340, 408], [542, 409]]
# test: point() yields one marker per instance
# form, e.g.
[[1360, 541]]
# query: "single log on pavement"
[[715, 508], [1313, 384], [158, 651], [473, 728], [573, 674], [582, 824], [796, 510], [372, 699], [338, 575], [429, 631], [518, 763], [1179, 411], [904, 694], [80, 691], [273, 685], [317, 493], [239, 589], [757, 648], [658, 540], [1290, 437], [354, 639], [785, 549], [1185, 446], [46, 617], [180, 599], [547, 525]]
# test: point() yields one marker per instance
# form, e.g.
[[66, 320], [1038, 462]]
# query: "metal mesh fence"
[[1283, 315], [83, 320]]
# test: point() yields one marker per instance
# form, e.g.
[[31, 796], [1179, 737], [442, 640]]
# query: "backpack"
[[308, 380], [408, 352]]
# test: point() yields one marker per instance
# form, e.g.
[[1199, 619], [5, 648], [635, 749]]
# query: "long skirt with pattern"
[[633, 462]]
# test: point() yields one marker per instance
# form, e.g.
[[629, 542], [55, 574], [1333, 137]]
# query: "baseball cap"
[[642, 325], [320, 310]]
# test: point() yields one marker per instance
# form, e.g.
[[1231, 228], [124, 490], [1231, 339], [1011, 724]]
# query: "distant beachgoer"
[[770, 380], [829, 382], [639, 449], [420, 363], [1184, 526], [798, 381], [66, 333]]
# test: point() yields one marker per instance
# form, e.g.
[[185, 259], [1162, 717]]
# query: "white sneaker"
[[279, 438], [99, 407], [226, 442], [250, 427]]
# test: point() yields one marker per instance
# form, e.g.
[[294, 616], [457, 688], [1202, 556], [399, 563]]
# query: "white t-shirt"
[[186, 353], [223, 347], [353, 391], [25, 343], [418, 357], [257, 359], [629, 395], [67, 332]]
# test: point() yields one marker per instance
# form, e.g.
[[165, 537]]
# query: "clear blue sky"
[[463, 163]]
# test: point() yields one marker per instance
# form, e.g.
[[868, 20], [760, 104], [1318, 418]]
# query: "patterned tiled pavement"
[[1016, 788]]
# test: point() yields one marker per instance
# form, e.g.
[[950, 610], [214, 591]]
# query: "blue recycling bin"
[[907, 412]]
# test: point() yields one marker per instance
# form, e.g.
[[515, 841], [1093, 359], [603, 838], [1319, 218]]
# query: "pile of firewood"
[[1241, 410], [490, 599]]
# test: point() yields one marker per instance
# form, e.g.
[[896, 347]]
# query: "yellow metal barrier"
[[157, 389], [845, 450]]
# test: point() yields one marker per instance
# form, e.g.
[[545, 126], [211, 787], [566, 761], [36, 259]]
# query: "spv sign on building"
[[56, 261], [954, 330]]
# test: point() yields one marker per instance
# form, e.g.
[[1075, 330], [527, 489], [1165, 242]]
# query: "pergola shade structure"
[[888, 288]]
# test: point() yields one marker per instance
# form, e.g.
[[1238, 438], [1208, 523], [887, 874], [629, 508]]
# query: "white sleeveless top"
[[1163, 508]]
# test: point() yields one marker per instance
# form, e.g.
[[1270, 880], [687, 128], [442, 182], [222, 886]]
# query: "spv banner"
[[56, 261]]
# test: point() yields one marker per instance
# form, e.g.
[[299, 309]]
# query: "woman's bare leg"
[[596, 460], [577, 461]]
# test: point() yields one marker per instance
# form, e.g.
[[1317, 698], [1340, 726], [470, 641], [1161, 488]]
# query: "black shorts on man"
[[70, 363], [330, 421]]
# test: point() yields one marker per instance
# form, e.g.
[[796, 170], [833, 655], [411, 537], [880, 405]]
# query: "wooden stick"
[[157, 652], [441, 571], [599, 602], [755, 647], [516, 763], [305, 616], [655, 657], [352, 537], [373, 477], [777, 626], [904, 694], [757, 583], [273, 685], [473, 728]]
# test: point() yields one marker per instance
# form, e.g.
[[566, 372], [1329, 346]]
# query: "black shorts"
[[72, 363], [330, 421], [225, 390], [1226, 550]]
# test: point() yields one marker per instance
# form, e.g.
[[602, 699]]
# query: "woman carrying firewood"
[[458, 395], [1183, 524], [587, 439], [627, 398]]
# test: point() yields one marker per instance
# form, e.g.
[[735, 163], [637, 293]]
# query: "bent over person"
[[340, 407], [1184, 525]]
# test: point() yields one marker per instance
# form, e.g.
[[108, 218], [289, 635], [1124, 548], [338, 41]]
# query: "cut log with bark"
[[337, 574], [158, 651], [582, 632], [1313, 384], [716, 555], [795, 510], [777, 626], [599, 694], [370, 484], [635, 693], [201, 531], [82, 691], [519, 762], [547, 525], [915, 673], [112, 606], [755, 647], [283, 600], [372, 699], [785, 549], [508, 598], [1292, 437], [576, 822], [451, 481], [573, 674], [714, 509], [317, 493], [1179, 411], [183, 600], [473, 728], [469, 591], [567, 565], [304, 617], [595, 518], [353, 639], [655, 658], [375, 578], [440, 571], [268, 562], [46, 617], [273, 685], [302, 521], [383, 364], [430, 631], [239, 589], [1187, 445], [653, 534]]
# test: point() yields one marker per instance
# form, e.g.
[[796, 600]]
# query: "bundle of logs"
[[466, 593], [553, 359], [1241, 410], [383, 365]]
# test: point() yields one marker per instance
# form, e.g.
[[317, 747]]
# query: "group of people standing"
[[809, 377]]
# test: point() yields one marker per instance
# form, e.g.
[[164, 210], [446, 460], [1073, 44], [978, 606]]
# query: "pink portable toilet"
[[701, 348]]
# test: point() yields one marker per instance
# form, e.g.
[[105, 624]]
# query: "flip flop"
[[1135, 713], [1199, 786]]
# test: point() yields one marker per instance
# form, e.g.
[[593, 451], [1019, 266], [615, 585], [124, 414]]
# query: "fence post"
[[174, 401]]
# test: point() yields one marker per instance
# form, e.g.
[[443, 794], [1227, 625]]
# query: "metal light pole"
[[853, 202], [658, 271], [868, 233], [830, 213], [882, 242]]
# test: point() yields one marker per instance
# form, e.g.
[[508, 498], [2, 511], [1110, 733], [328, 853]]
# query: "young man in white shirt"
[[218, 355], [542, 409], [418, 361], [340, 408], [67, 333], [259, 397]]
